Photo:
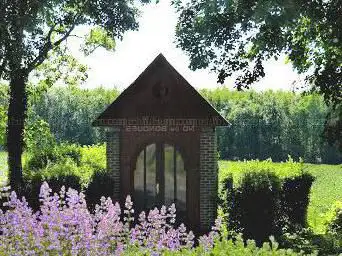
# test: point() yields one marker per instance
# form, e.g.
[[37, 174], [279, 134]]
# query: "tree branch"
[[42, 52], [64, 37], [49, 46]]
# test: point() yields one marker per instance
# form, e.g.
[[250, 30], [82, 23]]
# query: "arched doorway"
[[160, 179]]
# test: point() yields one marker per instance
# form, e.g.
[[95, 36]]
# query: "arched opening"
[[160, 179]]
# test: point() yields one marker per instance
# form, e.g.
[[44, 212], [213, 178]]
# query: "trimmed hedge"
[[295, 198], [254, 206], [262, 204]]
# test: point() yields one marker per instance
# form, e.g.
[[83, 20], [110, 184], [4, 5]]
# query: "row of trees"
[[272, 124], [69, 111], [268, 124]]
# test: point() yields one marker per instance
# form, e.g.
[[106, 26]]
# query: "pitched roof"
[[160, 92]]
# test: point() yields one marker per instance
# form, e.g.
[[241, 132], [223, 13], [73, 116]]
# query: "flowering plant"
[[64, 226]]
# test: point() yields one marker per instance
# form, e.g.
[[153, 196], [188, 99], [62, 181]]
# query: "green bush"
[[65, 164], [71, 151], [334, 218], [333, 223], [4, 99], [65, 159], [260, 199], [237, 169], [295, 199], [307, 241], [303, 239], [94, 156], [40, 158], [255, 207], [225, 196]]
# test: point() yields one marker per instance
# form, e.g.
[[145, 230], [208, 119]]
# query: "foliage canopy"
[[239, 36], [30, 29]]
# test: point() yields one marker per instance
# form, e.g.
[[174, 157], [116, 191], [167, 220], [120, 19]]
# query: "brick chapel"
[[161, 145]]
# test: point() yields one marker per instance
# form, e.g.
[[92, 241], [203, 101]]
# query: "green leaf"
[[96, 38]]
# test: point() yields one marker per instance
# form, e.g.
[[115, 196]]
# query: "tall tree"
[[238, 36], [31, 29], [232, 36]]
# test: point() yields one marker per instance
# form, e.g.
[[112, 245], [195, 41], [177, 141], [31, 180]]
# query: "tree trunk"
[[15, 128]]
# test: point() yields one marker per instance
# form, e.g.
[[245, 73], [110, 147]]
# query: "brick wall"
[[113, 159], [208, 178]]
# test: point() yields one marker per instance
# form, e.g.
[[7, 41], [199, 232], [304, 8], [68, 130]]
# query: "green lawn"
[[326, 189], [3, 166]]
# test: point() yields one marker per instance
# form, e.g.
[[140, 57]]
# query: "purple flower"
[[64, 225]]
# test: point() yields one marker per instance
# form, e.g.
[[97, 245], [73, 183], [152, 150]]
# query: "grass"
[[326, 189], [3, 167]]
